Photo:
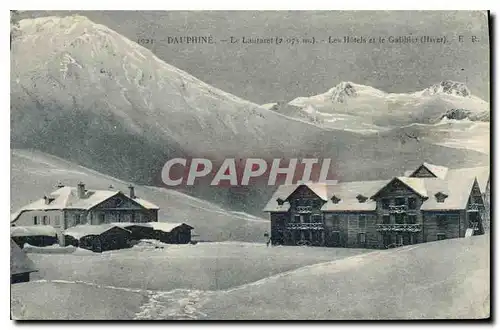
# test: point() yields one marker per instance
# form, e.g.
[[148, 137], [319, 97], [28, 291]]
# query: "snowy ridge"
[[367, 110], [448, 87]]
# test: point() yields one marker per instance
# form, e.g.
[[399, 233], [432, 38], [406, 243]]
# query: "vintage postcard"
[[250, 165]]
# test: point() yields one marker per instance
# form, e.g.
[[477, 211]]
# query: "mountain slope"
[[79, 83]]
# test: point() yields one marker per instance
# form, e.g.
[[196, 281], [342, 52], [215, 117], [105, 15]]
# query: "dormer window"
[[280, 201], [335, 199], [440, 197], [361, 198], [48, 200]]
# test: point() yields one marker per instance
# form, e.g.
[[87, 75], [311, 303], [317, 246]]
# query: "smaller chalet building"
[[68, 207], [427, 204], [98, 238], [170, 233], [34, 235]]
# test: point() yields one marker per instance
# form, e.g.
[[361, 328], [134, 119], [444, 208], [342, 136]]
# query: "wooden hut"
[[34, 235], [171, 233], [98, 238]]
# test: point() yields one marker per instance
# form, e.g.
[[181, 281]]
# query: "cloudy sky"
[[268, 73]]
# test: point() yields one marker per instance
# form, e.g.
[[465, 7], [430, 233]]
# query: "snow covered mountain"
[[366, 109], [85, 93], [439, 113]]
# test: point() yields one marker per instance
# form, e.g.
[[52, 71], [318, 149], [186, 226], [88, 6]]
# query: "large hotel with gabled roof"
[[427, 204]]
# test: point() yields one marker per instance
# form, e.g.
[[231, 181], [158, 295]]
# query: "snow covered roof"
[[161, 226], [146, 204], [438, 171], [86, 230], [67, 198], [416, 184], [282, 192], [348, 192], [38, 230], [19, 261], [457, 185]]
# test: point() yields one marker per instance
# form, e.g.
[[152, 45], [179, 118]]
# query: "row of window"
[[307, 218], [314, 203], [410, 202], [442, 220], [45, 220], [400, 219]]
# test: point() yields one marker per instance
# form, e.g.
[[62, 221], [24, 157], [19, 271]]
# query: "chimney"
[[81, 190], [47, 200], [131, 191]]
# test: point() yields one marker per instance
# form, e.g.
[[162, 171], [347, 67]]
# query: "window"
[[361, 198], [76, 218], [440, 197], [441, 237], [57, 220], [361, 238], [442, 220], [477, 200], [35, 220], [399, 219], [385, 203], [296, 218], [118, 202], [316, 218], [386, 219], [336, 221], [317, 204], [45, 220], [412, 219], [335, 199], [102, 218], [412, 203], [307, 218], [362, 221], [400, 201]]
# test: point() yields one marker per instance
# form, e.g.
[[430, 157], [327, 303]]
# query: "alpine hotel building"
[[428, 204]]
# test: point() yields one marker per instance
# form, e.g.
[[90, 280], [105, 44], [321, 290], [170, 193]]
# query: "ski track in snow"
[[179, 304]]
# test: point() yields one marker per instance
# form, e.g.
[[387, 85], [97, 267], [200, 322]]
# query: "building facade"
[[428, 204]]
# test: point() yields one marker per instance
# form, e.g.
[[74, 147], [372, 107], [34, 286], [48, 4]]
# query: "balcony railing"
[[305, 226], [304, 209], [400, 227], [474, 207], [398, 208]]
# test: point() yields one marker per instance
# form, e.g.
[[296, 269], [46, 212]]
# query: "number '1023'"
[[143, 41]]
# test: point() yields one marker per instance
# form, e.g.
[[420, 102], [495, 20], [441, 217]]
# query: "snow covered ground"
[[445, 279], [204, 266]]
